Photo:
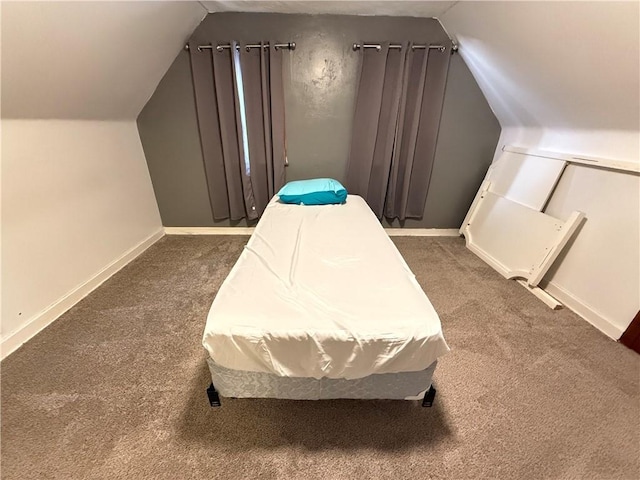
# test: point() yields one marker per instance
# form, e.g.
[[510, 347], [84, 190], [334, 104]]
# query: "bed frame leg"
[[429, 397], [214, 398]]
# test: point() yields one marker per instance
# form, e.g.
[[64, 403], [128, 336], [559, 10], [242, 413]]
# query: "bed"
[[319, 305]]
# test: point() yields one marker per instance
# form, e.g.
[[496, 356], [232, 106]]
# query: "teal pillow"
[[316, 191]]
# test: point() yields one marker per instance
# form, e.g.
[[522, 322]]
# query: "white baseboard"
[[422, 232], [587, 312], [39, 321], [392, 232], [543, 295], [209, 230]]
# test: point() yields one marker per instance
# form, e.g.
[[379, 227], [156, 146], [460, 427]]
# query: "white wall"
[[565, 77], [598, 275], [76, 197]]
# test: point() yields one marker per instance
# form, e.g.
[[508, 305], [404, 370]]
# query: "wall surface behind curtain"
[[76, 196], [321, 78]]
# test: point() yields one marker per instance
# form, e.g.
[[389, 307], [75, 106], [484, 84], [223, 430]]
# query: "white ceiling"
[[409, 8], [557, 65], [89, 60]]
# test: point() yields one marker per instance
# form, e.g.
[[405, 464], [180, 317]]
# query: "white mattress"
[[321, 291]]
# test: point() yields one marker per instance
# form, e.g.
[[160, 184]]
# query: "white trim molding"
[[621, 165], [422, 232], [41, 320], [548, 300], [392, 232], [585, 311], [209, 230]]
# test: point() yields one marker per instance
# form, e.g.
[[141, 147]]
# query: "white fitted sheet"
[[321, 291]]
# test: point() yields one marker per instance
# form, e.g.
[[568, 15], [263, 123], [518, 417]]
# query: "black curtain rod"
[[377, 46], [220, 48], [292, 46]]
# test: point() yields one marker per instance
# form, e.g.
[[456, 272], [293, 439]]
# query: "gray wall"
[[321, 81]]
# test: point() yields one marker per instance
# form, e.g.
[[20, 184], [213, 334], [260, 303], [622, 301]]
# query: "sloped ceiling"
[[550, 64], [558, 65], [89, 60], [407, 8]]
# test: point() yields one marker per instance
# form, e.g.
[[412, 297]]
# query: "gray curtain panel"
[[375, 119], [264, 104], [209, 126], [396, 122], [429, 125], [235, 88]]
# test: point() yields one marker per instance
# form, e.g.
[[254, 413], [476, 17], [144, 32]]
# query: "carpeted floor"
[[115, 388]]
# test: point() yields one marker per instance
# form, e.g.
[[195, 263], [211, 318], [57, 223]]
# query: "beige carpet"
[[115, 389]]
